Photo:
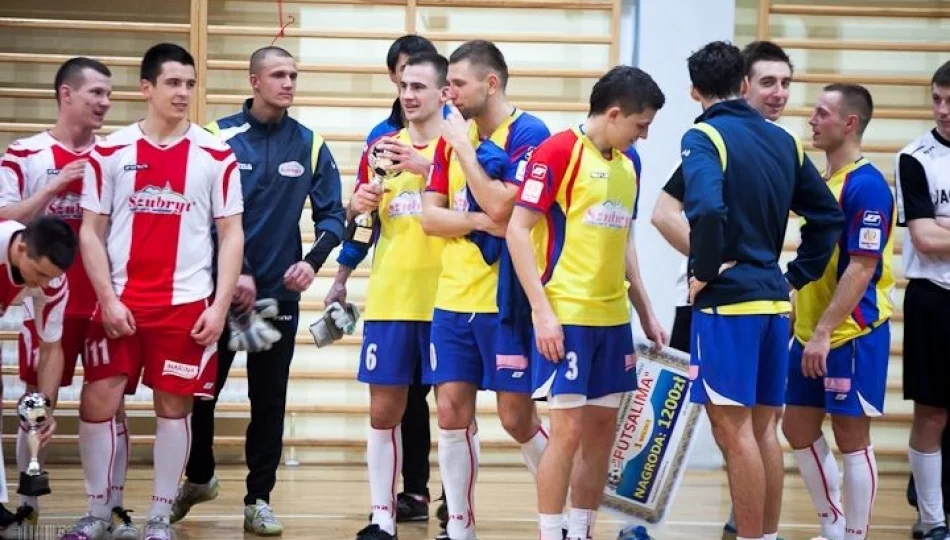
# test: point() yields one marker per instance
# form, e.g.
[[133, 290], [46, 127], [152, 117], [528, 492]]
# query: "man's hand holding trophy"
[[368, 196], [35, 413]]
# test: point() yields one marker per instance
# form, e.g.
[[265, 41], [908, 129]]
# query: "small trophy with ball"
[[34, 412], [360, 228]]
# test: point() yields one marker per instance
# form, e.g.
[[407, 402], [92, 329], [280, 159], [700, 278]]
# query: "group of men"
[[494, 267]]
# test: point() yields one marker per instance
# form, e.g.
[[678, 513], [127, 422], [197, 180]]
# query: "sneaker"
[[411, 508], [917, 531], [158, 529], [443, 535], [259, 519], [89, 528], [634, 532], [122, 527], [191, 494], [937, 533], [20, 525], [373, 532], [729, 532]]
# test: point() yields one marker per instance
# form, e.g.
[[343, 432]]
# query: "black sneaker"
[[937, 533], [411, 508], [373, 532]]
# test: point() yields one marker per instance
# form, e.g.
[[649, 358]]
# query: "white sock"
[[121, 464], [97, 451], [819, 471], [23, 461], [458, 465], [170, 453], [531, 451], [549, 525], [749, 538], [384, 460], [927, 469], [773, 536], [860, 488], [580, 524]]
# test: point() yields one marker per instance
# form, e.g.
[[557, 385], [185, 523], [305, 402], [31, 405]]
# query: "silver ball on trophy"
[[381, 163], [34, 412]]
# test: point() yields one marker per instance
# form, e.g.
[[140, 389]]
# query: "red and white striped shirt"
[[46, 306], [28, 166], [162, 202]]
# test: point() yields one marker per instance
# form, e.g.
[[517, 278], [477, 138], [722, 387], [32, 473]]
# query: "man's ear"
[[693, 93]]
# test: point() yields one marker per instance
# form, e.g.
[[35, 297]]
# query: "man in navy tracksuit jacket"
[[743, 176], [282, 163]]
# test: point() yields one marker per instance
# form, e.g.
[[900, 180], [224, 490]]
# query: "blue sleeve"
[[703, 203], [326, 208], [868, 207], [637, 168], [823, 222], [525, 137], [381, 129]]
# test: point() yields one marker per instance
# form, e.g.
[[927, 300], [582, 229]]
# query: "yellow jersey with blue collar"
[[589, 203], [468, 284], [406, 261], [869, 208]]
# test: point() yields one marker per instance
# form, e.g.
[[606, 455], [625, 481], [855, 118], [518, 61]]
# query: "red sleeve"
[[545, 172], [362, 172], [439, 175]]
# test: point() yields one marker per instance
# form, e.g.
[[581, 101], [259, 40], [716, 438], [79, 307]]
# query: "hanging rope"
[[281, 23]]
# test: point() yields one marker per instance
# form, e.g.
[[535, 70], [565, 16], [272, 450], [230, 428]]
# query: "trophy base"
[[34, 486]]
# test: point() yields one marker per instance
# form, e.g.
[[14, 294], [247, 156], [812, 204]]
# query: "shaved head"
[[258, 57]]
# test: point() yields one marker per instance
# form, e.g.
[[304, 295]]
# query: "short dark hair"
[[630, 88], [436, 60], [156, 56], [767, 51], [483, 53], [855, 99], [942, 75], [71, 72], [717, 70], [409, 45], [53, 238], [259, 55]]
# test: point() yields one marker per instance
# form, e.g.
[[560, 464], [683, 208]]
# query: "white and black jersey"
[[923, 191]]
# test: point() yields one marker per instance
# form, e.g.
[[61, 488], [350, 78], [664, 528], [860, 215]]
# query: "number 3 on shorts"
[[371, 357], [571, 372]]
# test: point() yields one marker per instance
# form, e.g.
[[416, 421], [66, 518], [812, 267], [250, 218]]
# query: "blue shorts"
[[463, 348], [598, 361], [512, 352], [739, 359], [856, 379], [393, 351]]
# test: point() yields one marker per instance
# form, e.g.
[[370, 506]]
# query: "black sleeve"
[[676, 185], [913, 191]]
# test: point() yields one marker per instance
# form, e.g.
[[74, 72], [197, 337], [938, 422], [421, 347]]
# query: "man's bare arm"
[[668, 218]]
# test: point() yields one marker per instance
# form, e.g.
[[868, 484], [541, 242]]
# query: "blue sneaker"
[[634, 532]]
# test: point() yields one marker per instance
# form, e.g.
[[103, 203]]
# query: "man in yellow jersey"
[[838, 359], [574, 217], [743, 175], [402, 284], [475, 344]]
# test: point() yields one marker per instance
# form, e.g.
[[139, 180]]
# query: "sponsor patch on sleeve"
[[869, 238], [872, 218], [539, 171], [532, 190]]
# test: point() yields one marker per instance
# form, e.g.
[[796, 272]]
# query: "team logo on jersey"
[[407, 203], [155, 200], [66, 207], [136, 167], [52, 172], [460, 200], [598, 175], [290, 169], [872, 218], [610, 214]]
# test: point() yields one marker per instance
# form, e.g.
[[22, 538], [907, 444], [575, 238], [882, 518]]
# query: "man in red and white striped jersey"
[[152, 192], [33, 261], [42, 174]]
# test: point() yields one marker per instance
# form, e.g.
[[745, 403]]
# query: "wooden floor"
[[331, 503]]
